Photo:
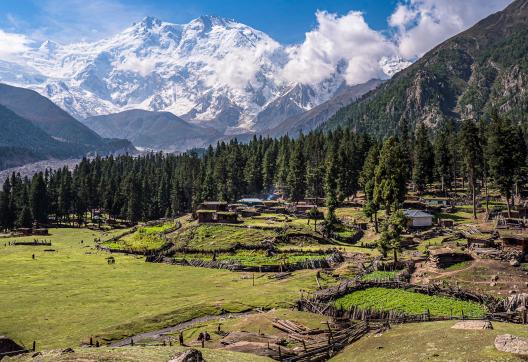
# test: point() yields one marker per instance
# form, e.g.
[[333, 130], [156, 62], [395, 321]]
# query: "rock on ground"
[[191, 355], [470, 325], [512, 344]]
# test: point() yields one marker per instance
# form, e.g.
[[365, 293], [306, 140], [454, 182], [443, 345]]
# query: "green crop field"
[[62, 298], [379, 274], [254, 258], [409, 302]]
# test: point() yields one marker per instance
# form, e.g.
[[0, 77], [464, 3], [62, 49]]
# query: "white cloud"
[[239, 66], [143, 66], [423, 24], [12, 44], [339, 40]]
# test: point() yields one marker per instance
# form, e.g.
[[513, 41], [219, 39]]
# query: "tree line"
[[335, 165]]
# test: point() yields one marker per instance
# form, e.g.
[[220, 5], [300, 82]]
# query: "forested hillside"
[[466, 77], [334, 165]]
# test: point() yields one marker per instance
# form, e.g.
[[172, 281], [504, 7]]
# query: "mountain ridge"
[[468, 76]]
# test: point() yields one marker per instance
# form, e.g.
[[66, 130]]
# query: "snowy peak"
[[211, 71]]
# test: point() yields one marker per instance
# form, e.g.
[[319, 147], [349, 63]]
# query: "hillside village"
[[328, 218]]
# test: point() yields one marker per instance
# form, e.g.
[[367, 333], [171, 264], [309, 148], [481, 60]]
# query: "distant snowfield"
[[211, 71]]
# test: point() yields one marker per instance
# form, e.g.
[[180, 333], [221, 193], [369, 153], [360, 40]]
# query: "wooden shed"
[[227, 217], [214, 206], [205, 216]]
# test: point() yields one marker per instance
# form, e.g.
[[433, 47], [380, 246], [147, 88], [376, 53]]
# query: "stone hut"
[[445, 257]]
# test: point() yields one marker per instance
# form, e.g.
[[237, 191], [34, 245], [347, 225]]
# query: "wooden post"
[[131, 341], [304, 345], [203, 342], [91, 341], [34, 346], [253, 279], [280, 354]]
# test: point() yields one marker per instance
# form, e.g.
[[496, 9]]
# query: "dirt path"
[[179, 327]]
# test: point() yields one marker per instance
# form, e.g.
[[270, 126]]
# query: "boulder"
[[512, 344], [191, 355], [514, 262]]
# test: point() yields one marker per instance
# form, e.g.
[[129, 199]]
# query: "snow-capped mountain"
[[211, 71]]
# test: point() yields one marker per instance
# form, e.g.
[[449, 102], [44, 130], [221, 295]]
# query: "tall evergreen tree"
[[390, 176], [423, 159], [472, 156]]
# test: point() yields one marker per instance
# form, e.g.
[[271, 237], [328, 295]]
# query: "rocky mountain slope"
[[469, 75], [33, 128], [315, 117], [153, 130], [211, 71]]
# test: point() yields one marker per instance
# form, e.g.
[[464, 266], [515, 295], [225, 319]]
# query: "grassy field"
[[211, 237], [434, 341], [409, 302], [254, 258], [131, 354], [145, 238], [61, 298]]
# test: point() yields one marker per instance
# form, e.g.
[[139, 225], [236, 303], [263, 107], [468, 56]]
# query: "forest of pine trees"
[[335, 165]]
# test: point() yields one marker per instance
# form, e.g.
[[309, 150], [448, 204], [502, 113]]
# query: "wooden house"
[[205, 216], [214, 206]]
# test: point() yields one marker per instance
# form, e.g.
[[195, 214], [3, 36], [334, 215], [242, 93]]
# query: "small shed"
[[248, 212], [418, 218], [205, 216], [304, 208], [447, 223], [227, 217], [254, 202]]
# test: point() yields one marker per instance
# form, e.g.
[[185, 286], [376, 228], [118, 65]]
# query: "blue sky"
[[70, 20]]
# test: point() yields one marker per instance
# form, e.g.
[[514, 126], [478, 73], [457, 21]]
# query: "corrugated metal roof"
[[416, 213]]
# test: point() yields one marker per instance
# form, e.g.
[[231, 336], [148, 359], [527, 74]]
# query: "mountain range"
[[211, 72], [475, 73]]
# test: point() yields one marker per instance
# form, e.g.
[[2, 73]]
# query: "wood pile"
[[320, 344]]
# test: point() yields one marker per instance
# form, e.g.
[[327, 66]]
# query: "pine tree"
[[390, 238], [25, 219], [331, 188], [442, 158], [367, 181], [472, 156], [296, 173], [423, 159], [502, 160], [39, 199], [390, 176]]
